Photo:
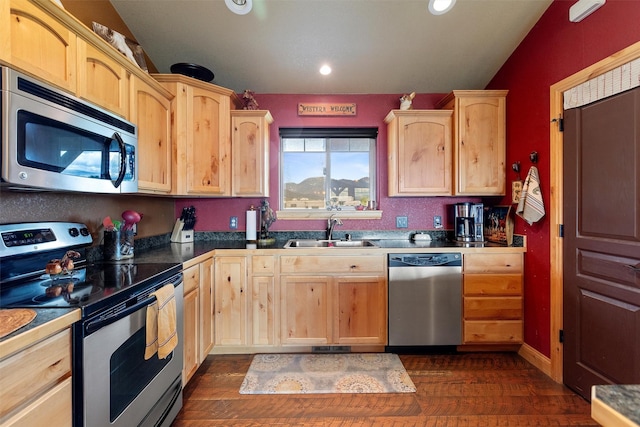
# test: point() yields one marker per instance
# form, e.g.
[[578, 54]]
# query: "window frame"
[[327, 134]]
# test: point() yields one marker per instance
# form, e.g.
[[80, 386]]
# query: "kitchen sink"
[[312, 243]]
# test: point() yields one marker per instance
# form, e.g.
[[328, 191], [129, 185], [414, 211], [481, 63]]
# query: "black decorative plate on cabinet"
[[192, 70]]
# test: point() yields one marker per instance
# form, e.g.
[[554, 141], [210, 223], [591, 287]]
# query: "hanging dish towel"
[[531, 206], [161, 334]]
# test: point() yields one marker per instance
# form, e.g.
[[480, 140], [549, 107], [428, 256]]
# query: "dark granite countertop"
[[623, 399], [159, 249]]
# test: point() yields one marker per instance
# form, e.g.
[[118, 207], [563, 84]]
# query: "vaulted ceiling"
[[373, 46]]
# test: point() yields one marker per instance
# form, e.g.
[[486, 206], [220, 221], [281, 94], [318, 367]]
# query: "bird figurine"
[[406, 100]]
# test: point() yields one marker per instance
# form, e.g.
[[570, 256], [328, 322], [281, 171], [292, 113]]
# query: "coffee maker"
[[469, 222]]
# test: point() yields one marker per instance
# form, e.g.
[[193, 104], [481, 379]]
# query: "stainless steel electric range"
[[113, 384]]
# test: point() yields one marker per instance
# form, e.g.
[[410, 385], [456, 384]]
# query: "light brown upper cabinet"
[[38, 42], [151, 112], [250, 144], [420, 152], [479, 127], [201, 133], [102, 80]]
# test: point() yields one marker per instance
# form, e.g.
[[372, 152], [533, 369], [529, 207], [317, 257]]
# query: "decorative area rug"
[[326, 373]]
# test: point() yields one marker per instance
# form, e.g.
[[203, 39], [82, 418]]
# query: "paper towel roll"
[[251, 225]]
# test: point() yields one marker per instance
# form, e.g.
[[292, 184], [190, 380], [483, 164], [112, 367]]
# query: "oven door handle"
[[93, 325]]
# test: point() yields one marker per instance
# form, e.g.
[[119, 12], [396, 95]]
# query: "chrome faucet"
[[331, 223]]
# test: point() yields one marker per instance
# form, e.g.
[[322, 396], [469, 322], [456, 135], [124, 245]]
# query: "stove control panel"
[[33, 237]]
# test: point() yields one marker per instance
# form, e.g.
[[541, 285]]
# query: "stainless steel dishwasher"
[[425, 299]]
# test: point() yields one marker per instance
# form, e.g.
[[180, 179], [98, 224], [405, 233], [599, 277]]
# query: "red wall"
[[553, 50]]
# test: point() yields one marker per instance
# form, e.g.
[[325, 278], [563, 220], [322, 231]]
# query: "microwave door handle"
[[123, 159]]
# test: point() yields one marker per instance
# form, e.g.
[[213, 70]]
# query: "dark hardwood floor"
[[470, 390]]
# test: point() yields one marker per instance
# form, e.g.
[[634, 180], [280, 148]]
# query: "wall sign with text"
[[326, 109]]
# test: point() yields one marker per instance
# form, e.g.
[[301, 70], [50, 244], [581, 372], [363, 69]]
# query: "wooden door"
[[102, 80], [420, 153], [208, 143], [230, 300], [250, 144], [602, 243], [206, 308], [190, 339], [263, 322], [37, 42], [361, 305], [151, 111], [304, 306], [481, 145]]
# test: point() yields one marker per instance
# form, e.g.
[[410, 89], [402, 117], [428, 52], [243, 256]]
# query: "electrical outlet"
[[233, 223], [437, 221], [402, 222]]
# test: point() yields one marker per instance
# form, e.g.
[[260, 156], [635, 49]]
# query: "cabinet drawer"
[[504, 331], [262, 264], [493, 308], [29, 373], [493, 284], [493, 263], [52, 408], [191, 278], [331, 264]]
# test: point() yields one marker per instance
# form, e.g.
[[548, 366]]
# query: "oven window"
[[130, 373]]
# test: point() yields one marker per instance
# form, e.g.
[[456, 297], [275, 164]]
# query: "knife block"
[[179, 235]]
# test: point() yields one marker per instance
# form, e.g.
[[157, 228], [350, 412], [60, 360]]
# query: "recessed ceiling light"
[[239, 7], [325, 70], [439, 7]]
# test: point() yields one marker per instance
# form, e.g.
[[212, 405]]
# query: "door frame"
[[555, 209]]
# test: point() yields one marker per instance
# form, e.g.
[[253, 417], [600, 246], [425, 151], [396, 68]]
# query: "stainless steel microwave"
[[54, 141]]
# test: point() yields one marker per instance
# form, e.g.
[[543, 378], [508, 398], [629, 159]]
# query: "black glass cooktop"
[[90, 287]]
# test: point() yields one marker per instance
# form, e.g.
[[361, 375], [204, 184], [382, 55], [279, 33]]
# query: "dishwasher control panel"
[[452, 259]]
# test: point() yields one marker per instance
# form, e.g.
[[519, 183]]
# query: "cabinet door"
[[190, 341], [420, 153], [262, 311], [151, 111], [102, 80], [35, 42], [230, 300], [361, 310], [250, 143], [206, 308], [208, 144], [481, 145], [305, 309]]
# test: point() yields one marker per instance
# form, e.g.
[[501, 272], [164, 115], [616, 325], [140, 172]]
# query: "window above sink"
[[330, 170]]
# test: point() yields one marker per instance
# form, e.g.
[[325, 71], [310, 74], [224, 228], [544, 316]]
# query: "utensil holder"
[[117, 245]]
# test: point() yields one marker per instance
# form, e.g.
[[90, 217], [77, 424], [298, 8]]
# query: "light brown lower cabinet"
[[197, 316], [245, 295], [493, 302], [191, 319], [333, 300], [35, 383]]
